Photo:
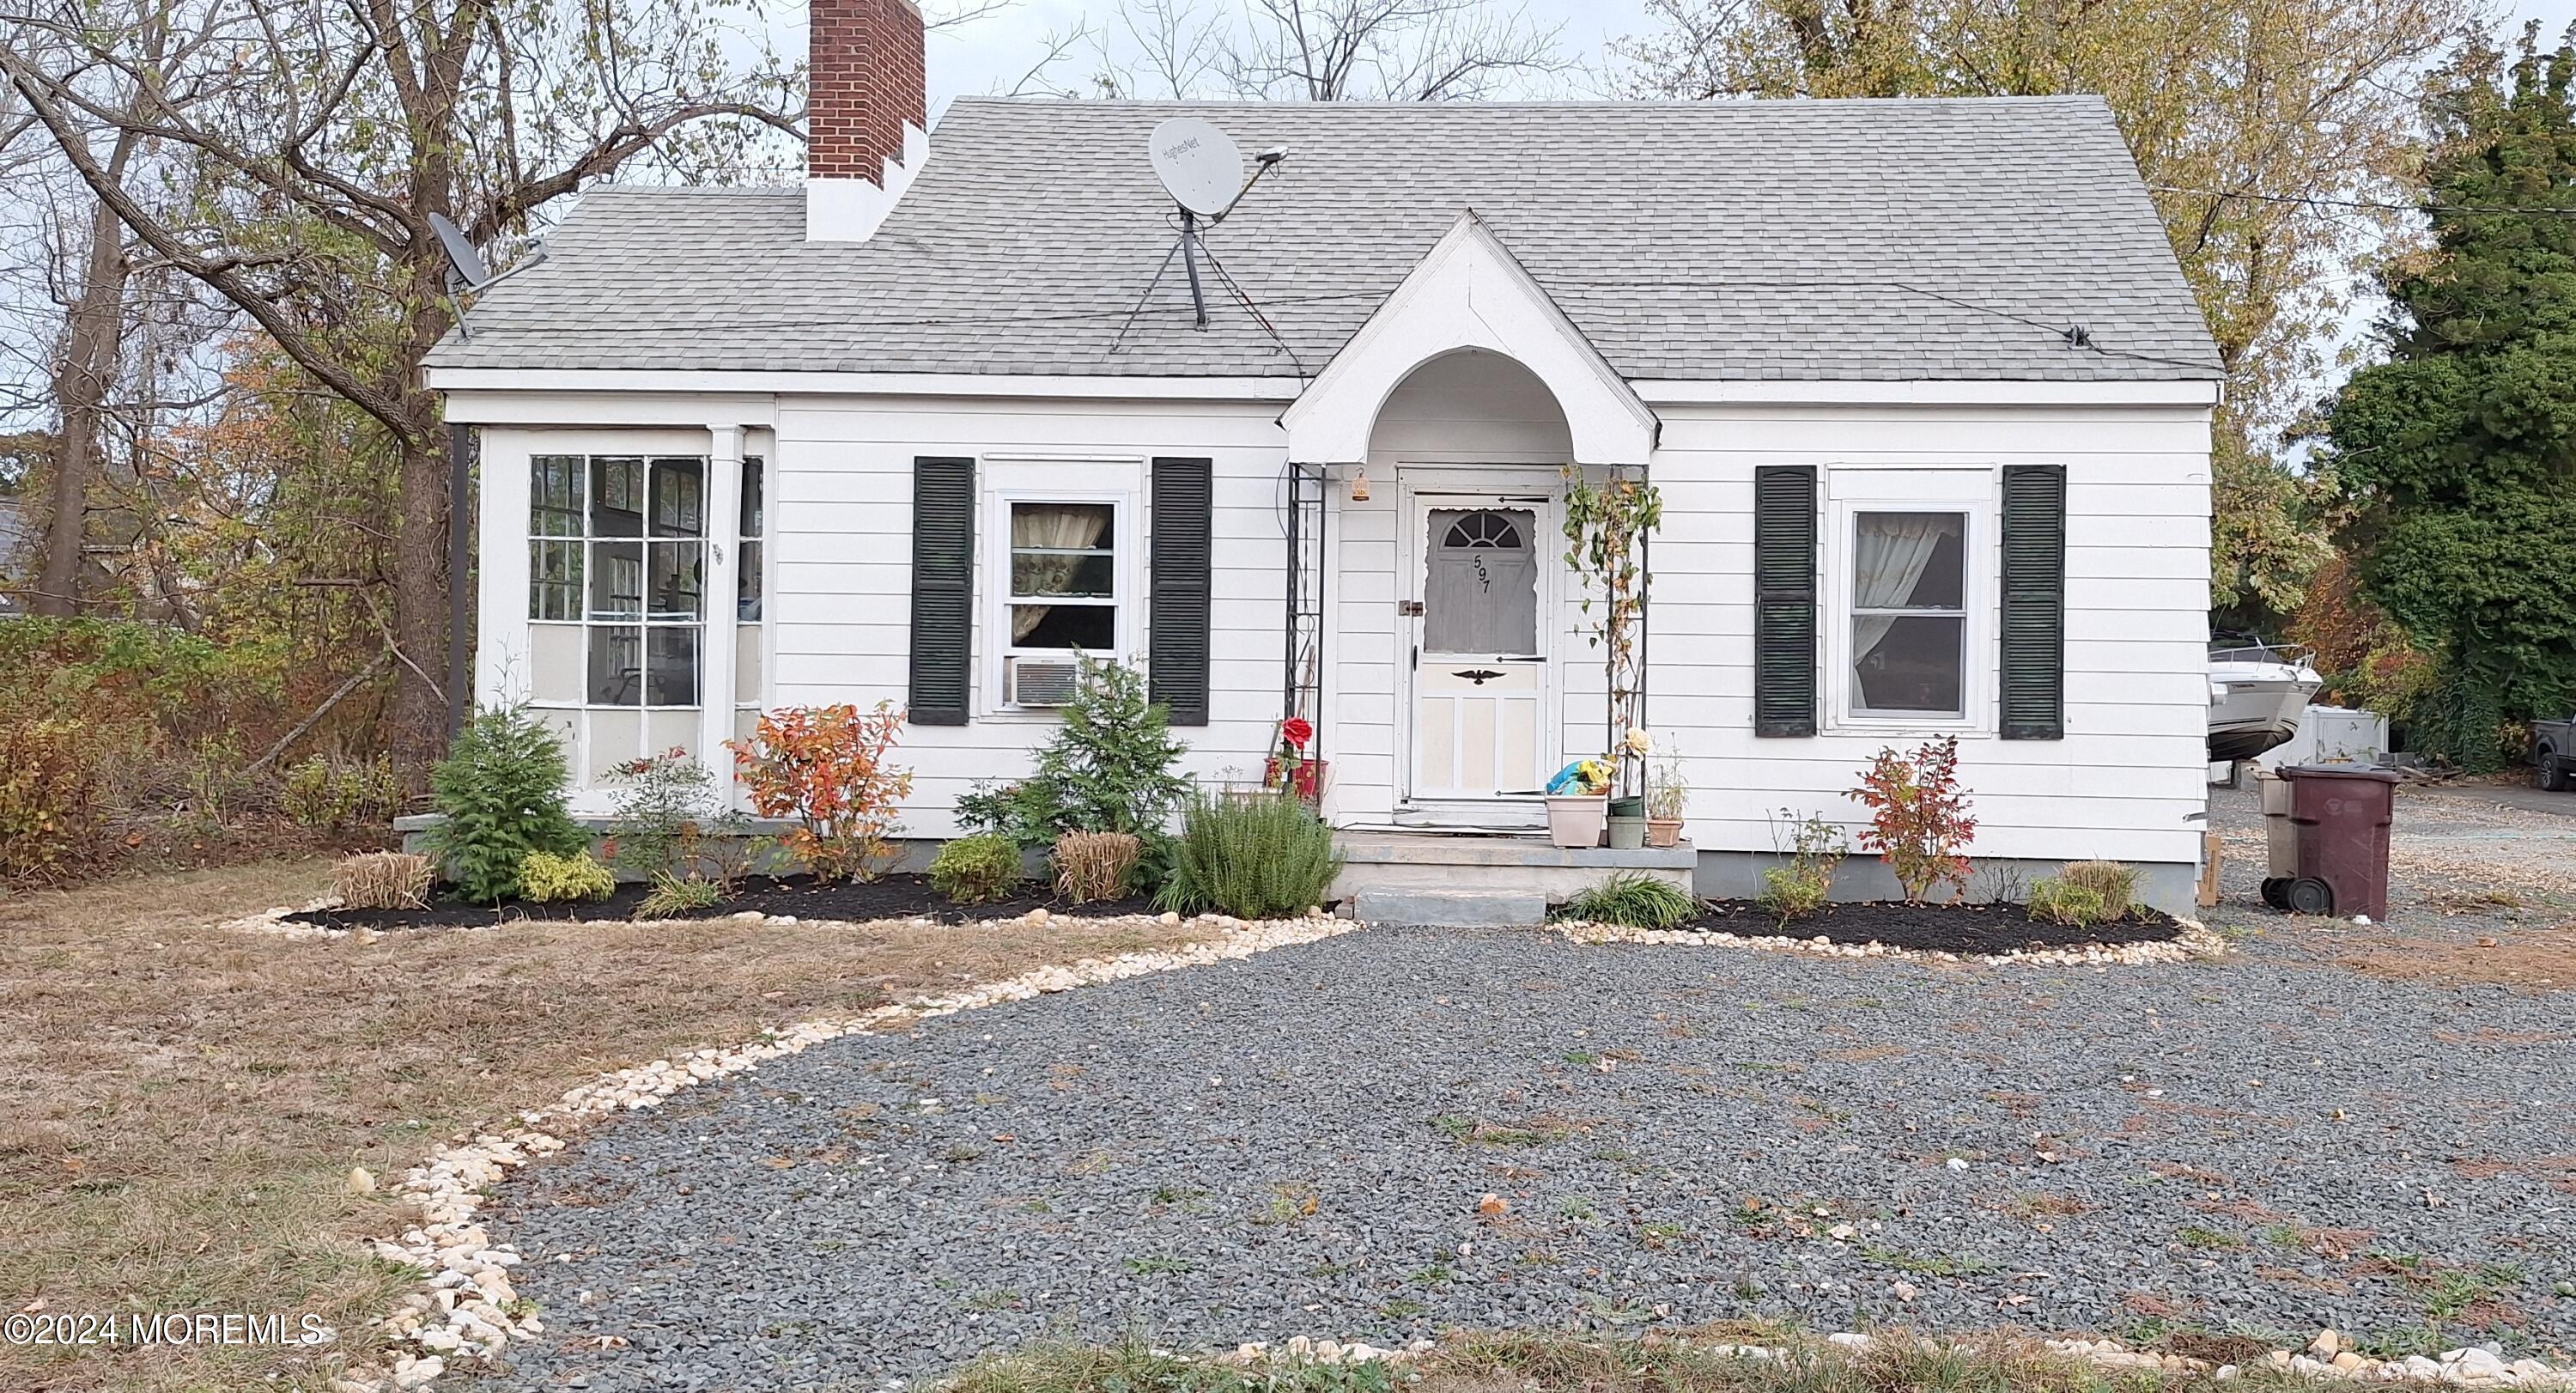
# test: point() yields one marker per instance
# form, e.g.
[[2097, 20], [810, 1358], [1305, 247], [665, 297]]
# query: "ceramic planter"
[[1663, 831], [1575, 820], [1627, 833]]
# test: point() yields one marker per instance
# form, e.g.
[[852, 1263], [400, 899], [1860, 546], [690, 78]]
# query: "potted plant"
[[1628, 812], [1576, 803], [1288, 769], [1664, 800]]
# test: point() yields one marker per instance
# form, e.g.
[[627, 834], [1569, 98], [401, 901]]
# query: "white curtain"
[[1889, 552], [1069, 527]]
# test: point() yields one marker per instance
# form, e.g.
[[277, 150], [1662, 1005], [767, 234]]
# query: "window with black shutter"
[[943, 590], [1784, 600], [1183, 521], [2034, 602]]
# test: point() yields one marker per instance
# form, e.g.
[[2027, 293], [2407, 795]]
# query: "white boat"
[[2256, 695]]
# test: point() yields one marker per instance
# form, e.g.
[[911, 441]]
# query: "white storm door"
[[1480, 673]]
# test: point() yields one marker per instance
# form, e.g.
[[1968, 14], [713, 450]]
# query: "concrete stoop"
[[1466, 880]]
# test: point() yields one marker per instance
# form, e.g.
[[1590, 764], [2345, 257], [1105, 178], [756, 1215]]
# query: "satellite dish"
[[464, 266], [1199, 165]]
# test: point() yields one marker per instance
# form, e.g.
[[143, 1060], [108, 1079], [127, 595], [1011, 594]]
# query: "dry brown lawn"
[[180, 1104]]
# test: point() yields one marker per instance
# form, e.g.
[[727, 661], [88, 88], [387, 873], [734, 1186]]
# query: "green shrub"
[[2065, 902], [50, 813], [500, 796], [2116, 883], [1794, 891], [1253, 856], [551, 879], [671, 817], [1633, 899], [334, 794], [1108, 769], [973, 870], [676, 896]]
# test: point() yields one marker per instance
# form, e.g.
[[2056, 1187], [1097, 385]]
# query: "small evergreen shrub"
[[2065, 902], [1254, 856], [500, 796], [551, 879], [383, 880], [1094, 865], [664, 803], [675, 897], [1108, 769], [977, 869], [2115, 882], [1634, 900], [51, 799], [332, 795]]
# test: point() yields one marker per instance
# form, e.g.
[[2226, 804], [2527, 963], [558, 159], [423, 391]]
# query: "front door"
[[1479, 657]]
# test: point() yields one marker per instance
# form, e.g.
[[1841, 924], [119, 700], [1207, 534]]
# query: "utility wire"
[[2365, 204]]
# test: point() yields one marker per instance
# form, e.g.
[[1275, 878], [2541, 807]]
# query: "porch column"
[[716, 612]]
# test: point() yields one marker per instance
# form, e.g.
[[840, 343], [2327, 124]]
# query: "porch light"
[[1359, 487]]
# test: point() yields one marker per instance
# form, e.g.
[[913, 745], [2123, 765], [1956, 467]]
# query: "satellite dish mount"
[[1202, 169], [465, 272]]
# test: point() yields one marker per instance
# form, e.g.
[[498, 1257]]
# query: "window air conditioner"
[[1038, 681]]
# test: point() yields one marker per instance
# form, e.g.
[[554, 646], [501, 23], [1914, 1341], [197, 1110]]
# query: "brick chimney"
[[866, 110]]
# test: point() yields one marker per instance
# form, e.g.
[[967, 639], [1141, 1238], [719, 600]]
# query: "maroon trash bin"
[[2340, 814]]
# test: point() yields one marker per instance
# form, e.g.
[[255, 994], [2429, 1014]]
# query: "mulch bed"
[[1932, 928], [893, 897]]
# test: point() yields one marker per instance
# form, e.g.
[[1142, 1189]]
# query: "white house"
[[1926, 396]]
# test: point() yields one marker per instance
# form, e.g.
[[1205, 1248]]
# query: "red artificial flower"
[[1296, 731]]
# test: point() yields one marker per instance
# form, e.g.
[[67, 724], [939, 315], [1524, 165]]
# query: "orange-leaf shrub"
[[50, 810], [1919, 823], [829, 768]]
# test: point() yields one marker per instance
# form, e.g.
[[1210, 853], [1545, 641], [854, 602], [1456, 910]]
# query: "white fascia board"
[[613, 410], [1686, 392], [501, 381]]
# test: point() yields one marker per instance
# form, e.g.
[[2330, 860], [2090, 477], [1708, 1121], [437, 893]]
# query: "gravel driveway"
[[1299, 1143]]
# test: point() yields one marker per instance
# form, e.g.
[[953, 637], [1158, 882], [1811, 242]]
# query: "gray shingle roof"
[[1884, 240]]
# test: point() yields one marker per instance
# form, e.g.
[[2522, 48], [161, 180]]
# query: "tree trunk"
[[419, 721], [95, 339]]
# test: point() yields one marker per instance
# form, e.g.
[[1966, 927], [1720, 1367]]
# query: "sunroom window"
[[1909, 616]]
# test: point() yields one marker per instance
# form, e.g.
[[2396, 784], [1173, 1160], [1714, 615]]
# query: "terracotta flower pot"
[[1663, 831], [1575, 820]]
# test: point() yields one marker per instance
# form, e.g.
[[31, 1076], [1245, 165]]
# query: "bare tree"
[[330, 131], [1327, 50]]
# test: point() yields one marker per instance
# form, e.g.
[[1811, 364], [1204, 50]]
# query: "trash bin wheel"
[[2308, 896], [2276, 892]]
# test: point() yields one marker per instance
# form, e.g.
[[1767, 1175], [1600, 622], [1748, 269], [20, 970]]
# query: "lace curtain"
[[1060, 527]]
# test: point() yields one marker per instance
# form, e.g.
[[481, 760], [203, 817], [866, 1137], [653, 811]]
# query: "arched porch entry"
[[1442, 431]]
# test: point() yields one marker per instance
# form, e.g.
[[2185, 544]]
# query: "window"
[[1909, 615], [1064, 577]]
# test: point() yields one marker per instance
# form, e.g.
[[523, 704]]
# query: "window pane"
[[1051, 573], [1908, 663], [679, 498], [753, 519], [617, 498], [615, 738], [554, 580], [554, 662], [1062, 526], [1091, 628], [616, 580], [616, 666], [746, 664], [1908, 561], [677, 580], [746, 584], [554, 496], [671, 665]]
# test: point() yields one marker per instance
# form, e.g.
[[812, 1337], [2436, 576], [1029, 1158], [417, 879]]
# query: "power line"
[[2365, 204]]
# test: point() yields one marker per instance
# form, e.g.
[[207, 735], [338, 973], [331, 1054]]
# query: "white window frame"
[[1048, 479], [1971, 491]]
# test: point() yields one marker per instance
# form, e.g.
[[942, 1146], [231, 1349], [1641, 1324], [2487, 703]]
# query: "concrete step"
[[1418, 863], [1450, 908]]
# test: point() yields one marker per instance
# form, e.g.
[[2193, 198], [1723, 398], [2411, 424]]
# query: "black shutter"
[[1784, 600], [1176, 672], [943, 590], [2034, 616]]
